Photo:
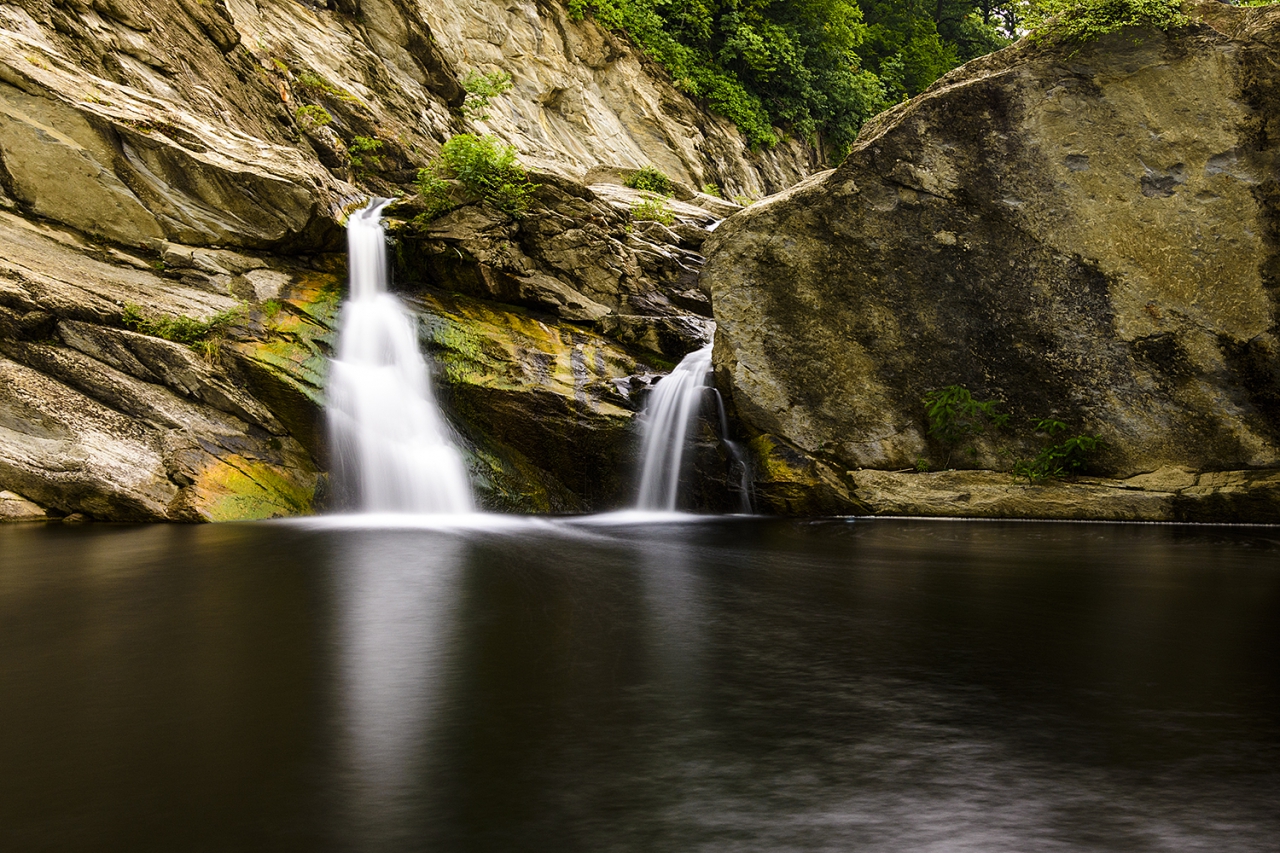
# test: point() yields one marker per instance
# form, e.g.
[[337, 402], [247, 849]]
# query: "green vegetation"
[[649, 179], [316, 83], [1079, 21], [363, 151], [653, 210], [1057, 459], [954, 415], [711, 190], [486, 169], [481, 90], [309, 116], [814, 68], [204, 336]]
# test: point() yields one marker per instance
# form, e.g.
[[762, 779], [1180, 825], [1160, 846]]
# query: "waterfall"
[[672, 407], [391, 445]]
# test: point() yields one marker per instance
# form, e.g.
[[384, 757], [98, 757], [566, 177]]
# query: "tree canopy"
[[814, 68]]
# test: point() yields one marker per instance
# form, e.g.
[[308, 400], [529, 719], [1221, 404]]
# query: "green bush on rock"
[[653, 210], [486, 169], [481, 89], [1079, 21], [649, 179], [1058, 459]]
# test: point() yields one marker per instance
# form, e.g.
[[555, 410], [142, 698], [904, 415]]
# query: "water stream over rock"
[[672, 407], [391, 445]]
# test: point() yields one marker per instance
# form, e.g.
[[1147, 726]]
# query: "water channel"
[[716, 685]]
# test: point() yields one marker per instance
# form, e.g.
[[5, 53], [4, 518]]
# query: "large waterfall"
[[672, 408], [391, 445]]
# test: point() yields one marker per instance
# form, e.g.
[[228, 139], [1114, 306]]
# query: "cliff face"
[[1087, 235], [171, 233]]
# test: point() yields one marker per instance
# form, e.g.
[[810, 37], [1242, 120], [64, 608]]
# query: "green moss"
[[180, 329], [310, 115], [314, 82]]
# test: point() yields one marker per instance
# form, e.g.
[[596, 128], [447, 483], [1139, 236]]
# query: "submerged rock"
[[1083, 234]]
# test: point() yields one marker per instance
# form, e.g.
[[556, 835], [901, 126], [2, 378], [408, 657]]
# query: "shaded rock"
[[540, 405], [14, 507], [1166, 495], [1082, 234]]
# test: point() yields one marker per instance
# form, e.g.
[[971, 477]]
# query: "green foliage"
[[1057, 459], [1079, 21], [486, 168], [954, 415], [653, 210], [310, 115], [179, 329], [363, 151], [649, 179], [711, 190], [316, 83], [481, 90], [817, 68], [745, 200]]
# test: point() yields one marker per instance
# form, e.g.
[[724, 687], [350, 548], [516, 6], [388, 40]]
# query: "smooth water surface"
[[728, 685]]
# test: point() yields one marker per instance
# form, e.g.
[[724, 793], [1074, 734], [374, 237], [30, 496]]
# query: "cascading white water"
[[391, 444], [672, 407]]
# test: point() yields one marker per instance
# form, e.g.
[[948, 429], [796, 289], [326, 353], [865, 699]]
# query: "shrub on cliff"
[[485, 168], [649, 179], [1079, 21]]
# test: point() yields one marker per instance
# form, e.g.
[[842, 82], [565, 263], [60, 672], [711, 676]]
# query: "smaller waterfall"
[[738, 459], [672, 408], [391, 445]]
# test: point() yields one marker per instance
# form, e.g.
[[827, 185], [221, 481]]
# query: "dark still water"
[[730, 685]]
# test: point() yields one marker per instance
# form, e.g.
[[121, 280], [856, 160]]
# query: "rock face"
[[1089, 235], [171, 245]]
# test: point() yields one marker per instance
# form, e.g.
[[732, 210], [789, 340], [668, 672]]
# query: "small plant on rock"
[[711, 190], [311, 116], [653, 210], [363, 151], [1057, 459], [481, 90], [316, 83], [204, 336], [954, 416], [649, 179], [486, 169]]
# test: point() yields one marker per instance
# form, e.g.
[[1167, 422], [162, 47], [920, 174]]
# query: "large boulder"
[[1087, 233]]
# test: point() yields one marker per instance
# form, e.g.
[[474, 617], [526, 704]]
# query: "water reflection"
[[700, 685], [397, 603]]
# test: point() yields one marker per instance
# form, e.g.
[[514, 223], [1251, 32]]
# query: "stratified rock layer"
[[1086, 234], [170, 164]]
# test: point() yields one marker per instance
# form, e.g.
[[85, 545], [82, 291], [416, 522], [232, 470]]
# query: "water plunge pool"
[[717, 684]]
